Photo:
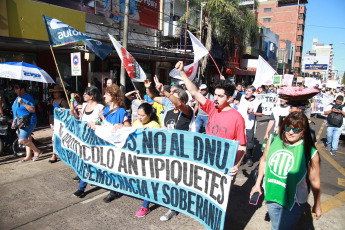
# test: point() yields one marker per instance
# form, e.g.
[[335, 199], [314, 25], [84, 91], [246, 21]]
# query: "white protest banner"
[[267, 102], [332, 84], [264, 73], [321, 101], [310, 82], [181, 170], [288, 78]]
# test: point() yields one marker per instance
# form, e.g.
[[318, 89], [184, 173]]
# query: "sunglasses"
[[295, 130]]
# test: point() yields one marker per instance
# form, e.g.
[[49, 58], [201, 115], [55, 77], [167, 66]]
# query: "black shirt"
[[178, 120]]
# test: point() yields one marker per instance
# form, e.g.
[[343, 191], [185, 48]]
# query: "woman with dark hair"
[[146, 119], [286, 163], [92, 106], [24, 105]]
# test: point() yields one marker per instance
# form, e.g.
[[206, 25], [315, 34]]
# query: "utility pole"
[[124, 44]]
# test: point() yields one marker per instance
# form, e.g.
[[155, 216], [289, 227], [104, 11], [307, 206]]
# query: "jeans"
[[82, 185], [250, 142], [146, 204], [333, 135], [282, 218], [200, 121]]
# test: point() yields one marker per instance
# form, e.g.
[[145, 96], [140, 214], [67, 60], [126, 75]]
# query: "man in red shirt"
[[223, 121]]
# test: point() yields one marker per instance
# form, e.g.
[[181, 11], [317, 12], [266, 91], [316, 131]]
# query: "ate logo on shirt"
[[281, 162]]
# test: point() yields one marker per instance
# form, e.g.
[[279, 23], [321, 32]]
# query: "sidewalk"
[[43, 134]]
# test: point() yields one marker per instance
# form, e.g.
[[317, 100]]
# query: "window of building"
[[296, 70], [299, 49], [301, 16], [298, 59], [267, 20], [299, 38], [266, 10], [300, 27]]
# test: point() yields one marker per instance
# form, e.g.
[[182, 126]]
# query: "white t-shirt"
[[94, 115], [278, 112], [243, 109]]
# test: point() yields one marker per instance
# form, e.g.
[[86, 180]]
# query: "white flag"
[[199, 49], [264, 73], [190, 70], [134, 70]]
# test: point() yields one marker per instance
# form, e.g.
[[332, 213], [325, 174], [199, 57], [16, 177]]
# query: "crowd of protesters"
[[205, 108]]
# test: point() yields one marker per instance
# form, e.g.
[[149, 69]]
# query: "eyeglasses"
[[295, 130]]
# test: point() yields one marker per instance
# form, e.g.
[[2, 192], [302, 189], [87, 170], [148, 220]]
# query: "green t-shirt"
[[285, 169]]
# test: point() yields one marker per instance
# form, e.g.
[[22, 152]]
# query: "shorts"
[[25, 133]]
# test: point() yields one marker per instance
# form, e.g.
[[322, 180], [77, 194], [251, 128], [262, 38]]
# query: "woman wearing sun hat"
[[58, 101]]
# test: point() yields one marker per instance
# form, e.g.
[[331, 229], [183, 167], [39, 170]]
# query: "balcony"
[[290, 2], [246, 2]]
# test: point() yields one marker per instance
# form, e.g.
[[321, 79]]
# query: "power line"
[[328, 27]]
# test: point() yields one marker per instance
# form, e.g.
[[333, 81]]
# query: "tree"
[[343, 79], [225, 21]]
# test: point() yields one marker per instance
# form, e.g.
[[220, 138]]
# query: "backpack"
[[335, 119]]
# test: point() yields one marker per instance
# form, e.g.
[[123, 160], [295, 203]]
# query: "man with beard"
[[223, 121]]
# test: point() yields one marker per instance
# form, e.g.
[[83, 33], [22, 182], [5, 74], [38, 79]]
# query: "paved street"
[[38, 195]]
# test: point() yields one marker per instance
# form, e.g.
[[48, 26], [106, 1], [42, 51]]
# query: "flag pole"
[[51, 48], [136, 89], [63, 85], [185, 34], [215, 63]]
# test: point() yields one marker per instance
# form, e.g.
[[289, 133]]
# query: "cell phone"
[[336, 107], [255, 198]]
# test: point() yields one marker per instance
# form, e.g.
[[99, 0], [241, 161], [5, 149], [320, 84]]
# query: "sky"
[[325, 20]]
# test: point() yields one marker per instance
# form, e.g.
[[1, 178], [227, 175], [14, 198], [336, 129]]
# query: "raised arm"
[[194, 91], [129, 95], [150, 93], [176, 101]]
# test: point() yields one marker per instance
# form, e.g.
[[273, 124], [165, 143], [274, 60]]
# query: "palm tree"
[[230, 24]]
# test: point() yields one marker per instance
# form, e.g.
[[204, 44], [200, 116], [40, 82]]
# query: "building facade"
[[286, 18]]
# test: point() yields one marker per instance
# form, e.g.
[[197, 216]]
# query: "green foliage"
[[230, 24], [343, 79]]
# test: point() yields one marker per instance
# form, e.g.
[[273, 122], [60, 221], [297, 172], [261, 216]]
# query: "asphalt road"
[[38, 195]]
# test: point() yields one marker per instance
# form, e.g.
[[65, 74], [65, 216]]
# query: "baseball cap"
[[181, 83], [202, 86]]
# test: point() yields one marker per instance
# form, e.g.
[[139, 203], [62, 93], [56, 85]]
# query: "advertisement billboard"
[[141, 12], [316, 66]]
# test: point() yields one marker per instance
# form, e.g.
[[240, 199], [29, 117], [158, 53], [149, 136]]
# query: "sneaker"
[[333, 152], [167, 216], [76, 178], [250, 162], [111, 196], [78, 193], [142, 212]]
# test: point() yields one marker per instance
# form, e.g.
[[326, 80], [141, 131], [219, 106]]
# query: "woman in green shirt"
[[286, 163]]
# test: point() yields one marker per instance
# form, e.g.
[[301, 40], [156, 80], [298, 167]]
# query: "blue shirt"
[[115, 118], [148, 99], [21, 110], [168, 105]]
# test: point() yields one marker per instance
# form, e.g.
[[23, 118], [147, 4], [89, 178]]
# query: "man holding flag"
[[224, 121]]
